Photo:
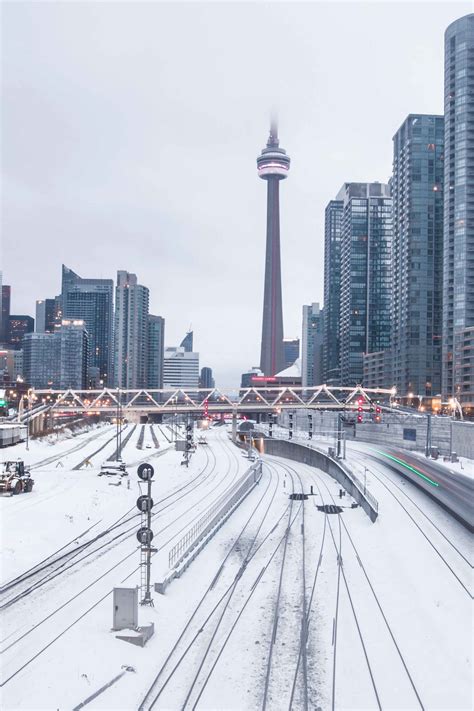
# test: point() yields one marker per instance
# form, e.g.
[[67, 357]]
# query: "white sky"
[[130, 133]]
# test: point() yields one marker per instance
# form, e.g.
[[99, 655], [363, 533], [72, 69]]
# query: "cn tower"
[[273, 165]]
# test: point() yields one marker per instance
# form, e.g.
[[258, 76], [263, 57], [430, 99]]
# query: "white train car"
[[12, 433]]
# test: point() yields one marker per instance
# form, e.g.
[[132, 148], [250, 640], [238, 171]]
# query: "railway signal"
[[188, 444], [290, 425], [144, 534], [310, 427], [270, 425]]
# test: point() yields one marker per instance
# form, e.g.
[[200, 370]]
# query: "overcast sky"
[[130, 133]]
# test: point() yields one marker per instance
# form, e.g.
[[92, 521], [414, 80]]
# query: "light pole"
[[117, 455]]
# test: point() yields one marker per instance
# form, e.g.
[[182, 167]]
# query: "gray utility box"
[[125, 608], [180, 445]]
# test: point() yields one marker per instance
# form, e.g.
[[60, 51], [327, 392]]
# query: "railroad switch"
[[330, 509]]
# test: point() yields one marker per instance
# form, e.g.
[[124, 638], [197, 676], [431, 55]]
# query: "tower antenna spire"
[[273, 138]]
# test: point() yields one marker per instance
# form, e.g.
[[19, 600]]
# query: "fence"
[[210, 519]]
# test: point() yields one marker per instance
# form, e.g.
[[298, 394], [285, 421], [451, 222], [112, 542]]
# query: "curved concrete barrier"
[[335, 468]]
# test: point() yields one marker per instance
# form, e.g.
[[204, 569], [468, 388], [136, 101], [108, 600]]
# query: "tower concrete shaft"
[[273, 165]]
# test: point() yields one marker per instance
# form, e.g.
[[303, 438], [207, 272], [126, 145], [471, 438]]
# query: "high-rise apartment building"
[[332, 292], [180, 368], [312, 346], [458, 262], [366, 282], [155, 351], [57, 360], [131, 332], [91, 300], [417, 254]]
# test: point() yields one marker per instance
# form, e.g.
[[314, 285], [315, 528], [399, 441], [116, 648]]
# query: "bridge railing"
[[211, 518]]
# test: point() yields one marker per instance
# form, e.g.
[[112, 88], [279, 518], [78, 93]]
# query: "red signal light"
[[359, 418]]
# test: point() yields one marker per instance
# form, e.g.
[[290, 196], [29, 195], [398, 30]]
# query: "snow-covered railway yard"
[[286, 606]]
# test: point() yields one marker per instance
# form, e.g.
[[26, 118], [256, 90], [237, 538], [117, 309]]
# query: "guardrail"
[[211, 518]]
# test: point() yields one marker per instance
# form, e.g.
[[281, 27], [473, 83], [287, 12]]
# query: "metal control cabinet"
[[125, 608]]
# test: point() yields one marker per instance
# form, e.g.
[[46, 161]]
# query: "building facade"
[[11, 365], [57, 360], [458, 257], [206, 379], [332, 291], [91, 300], [188, 342], [366, 282], [17, 327], [46, 319], [311, 368], [156, 348], [291, 349], [4, 312], [273, 165], [180, 368], [417, 254], [131, 332], [378, 369]]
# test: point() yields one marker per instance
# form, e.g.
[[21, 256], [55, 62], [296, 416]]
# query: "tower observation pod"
[[272, 165]]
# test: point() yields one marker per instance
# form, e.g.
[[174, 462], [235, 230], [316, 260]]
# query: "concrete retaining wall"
[[399, 429], [314, 458]]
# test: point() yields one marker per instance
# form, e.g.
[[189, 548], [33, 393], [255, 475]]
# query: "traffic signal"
[[310, 432], [290, 430], [359, 418]]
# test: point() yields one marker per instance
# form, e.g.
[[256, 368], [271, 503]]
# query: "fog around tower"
[[130, 133]]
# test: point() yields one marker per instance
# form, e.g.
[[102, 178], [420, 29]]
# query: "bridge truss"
[[205, 401]]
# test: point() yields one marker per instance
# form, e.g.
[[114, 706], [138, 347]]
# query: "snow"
[[424, 604]]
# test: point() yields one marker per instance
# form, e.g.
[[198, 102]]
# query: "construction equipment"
[[15, 478]]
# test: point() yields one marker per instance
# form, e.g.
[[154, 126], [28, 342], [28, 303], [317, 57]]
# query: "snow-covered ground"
[[385, 604]]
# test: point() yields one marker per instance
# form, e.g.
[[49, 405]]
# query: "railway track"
[[91, 584], [376, 666], [464, 577], [195, 644]]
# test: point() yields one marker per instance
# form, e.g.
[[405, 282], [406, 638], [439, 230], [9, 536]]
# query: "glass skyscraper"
[[458, 264], [331, 374], [366, 282], [131, 332], [156, 348], [312, 345], [91, 300], [417, 254]]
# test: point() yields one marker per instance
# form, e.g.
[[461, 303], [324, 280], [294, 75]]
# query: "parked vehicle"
[[15, 478]]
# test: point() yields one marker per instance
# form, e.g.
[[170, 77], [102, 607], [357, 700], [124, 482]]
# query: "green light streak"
[[407, 466]]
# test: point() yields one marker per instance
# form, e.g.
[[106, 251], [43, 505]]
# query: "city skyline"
[[105, 222]]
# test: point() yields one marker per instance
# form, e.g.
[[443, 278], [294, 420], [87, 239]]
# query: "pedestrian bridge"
[[200, 402]]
